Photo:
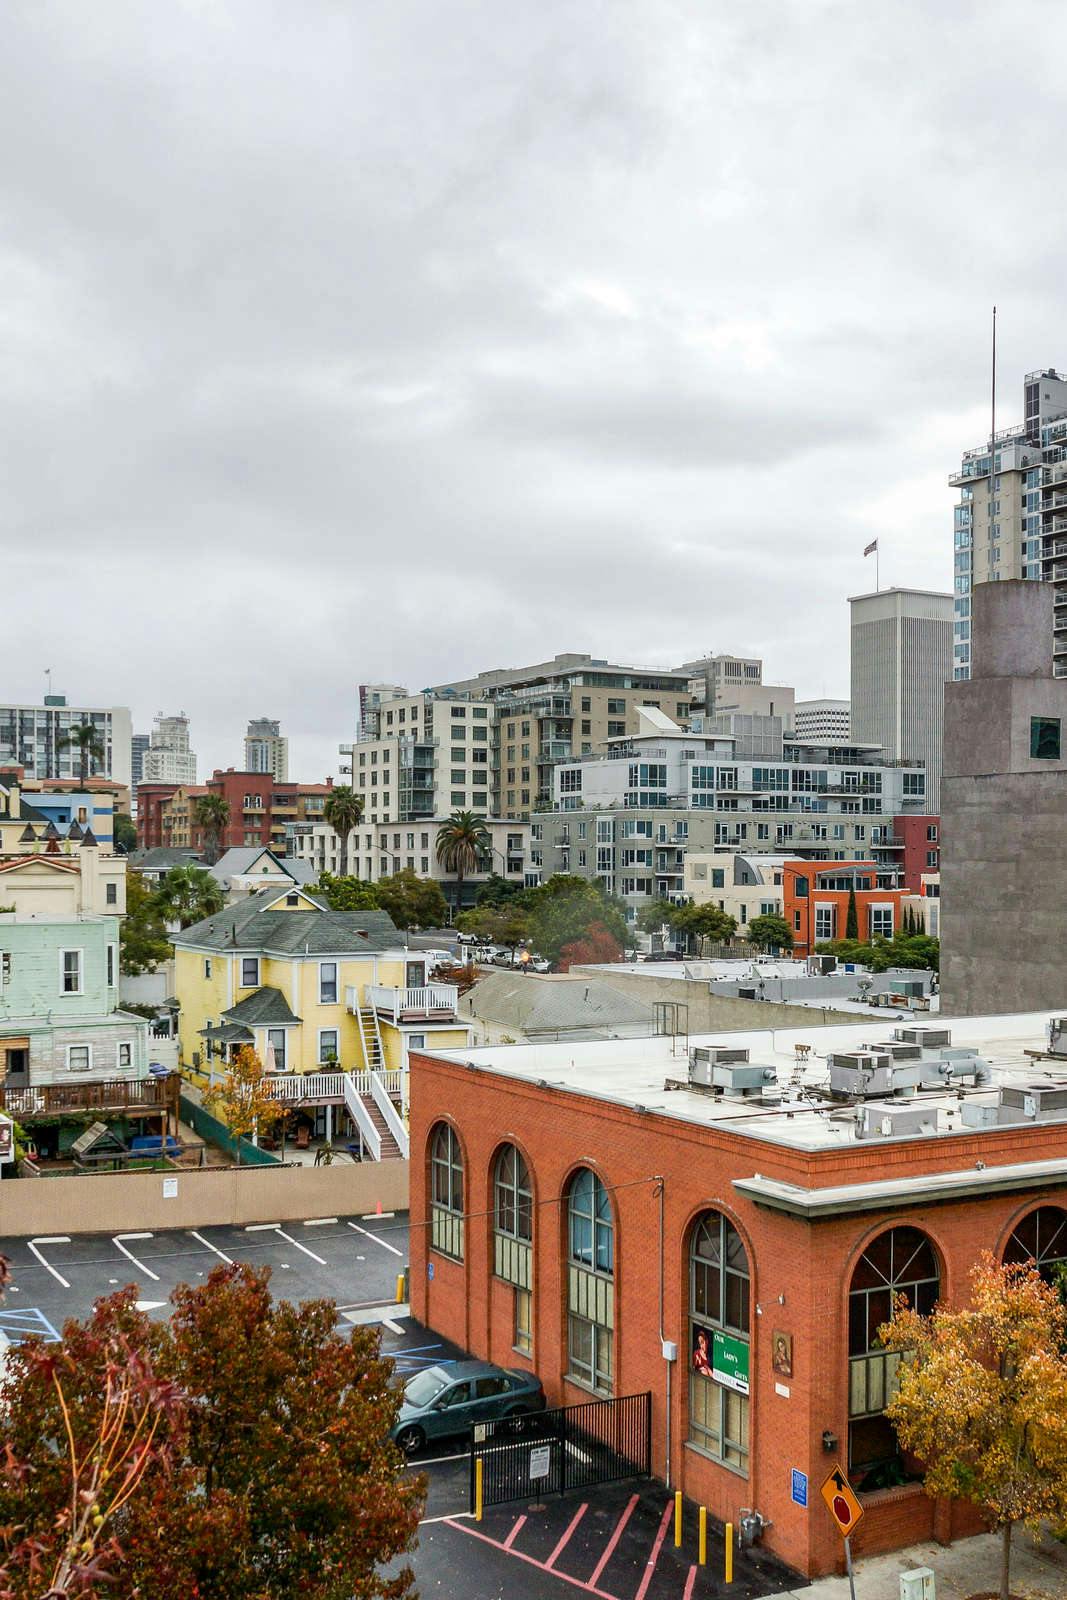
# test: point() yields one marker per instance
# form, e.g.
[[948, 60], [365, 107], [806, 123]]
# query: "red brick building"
[[816, 896], [259, 806], [920, 848], [573, 1205]]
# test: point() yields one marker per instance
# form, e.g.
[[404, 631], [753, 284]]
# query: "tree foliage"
[[654, 916], [770, 932], [563, 909], [269, 1474], [506, 923], [89, 743], [497, 891], [852, 918], [463, 844], [343, 811], [243, 1100], [411, 901], [699, 922], [125, 832], [187, 895], [982, 1398], [917, 951], [211, 812], [143, 941], [597, 945]]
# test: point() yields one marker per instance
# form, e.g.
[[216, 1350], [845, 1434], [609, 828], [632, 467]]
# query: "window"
[[570, 780], [719, 1340], [512, 1233], [616, 708], [328, 1051], [900, 1262], [446, 1192], [71, 971], [1040, 1238], [111, 894], [590, 1283], [881, 922], [826, 921], [523, 1321], [327, 983], [79, 1057], [1045, 738], [124, 1057], [111, 966], [207, 966], [249, 972], [587, 702], [276, 1041]]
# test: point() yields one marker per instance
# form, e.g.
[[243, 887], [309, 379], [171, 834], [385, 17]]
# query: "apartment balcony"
[[327, 1088], [119, 1095], [428, 1003]]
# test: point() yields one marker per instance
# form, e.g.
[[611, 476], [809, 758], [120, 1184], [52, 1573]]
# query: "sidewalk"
[[970, 1566]]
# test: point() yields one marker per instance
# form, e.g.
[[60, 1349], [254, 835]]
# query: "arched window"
[[590, 1283], [446, 1192], [1040, 1237], [512, 1233], [719, 1340], [900, 1262]]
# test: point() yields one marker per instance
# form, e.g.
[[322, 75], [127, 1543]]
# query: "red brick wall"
[[800, 1274], [912, 830], [151, 800]]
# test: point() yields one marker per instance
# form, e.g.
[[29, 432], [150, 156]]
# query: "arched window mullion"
[[446, 1191], [719, 1340], [512, 1236], [590, 1282]]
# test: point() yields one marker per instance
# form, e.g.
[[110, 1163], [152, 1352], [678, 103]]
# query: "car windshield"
[[421, 1390]]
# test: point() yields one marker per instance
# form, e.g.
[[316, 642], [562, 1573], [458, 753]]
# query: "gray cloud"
[[343, 342]]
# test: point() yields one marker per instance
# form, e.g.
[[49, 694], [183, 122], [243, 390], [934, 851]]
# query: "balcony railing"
[[108, 1094], [323, 1088], [429, 1000]]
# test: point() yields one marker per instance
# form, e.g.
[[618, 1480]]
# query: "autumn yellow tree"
[[982, 1399], [243, 1100]]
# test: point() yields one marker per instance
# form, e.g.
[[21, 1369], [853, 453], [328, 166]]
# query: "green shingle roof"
[[266, 1008], [248, 925]]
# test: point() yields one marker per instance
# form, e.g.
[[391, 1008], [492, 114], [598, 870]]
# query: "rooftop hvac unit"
[[929, 1038], [870, 1075], [704, 1057], [906, 986], [898, 1050], [1057, 1036], [742, 1078], [976, 1116], [950, 1067], [876, 1120], [1033, 1102]]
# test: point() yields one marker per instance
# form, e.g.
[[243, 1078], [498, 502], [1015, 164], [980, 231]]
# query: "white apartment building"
[[822, 719], [744, 886], [433, 755], [32, 737], [901, 660], [1010, 520], [632, 817], [267, 749], [168, 758]]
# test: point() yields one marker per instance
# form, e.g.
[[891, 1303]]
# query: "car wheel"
[[518, 1421], [410, 1440]]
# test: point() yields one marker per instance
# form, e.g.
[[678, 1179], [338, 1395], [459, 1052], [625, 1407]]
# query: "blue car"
[[441, 1401]]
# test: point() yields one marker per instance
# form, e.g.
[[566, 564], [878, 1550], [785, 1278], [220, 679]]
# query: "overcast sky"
[[346, 342]]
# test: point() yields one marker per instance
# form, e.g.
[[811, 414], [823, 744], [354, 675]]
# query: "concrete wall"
[[710, 1013], [105, 1202]]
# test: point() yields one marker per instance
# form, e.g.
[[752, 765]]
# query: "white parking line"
[[276, 1227], [367, 1234], [209, 1246], [369, 1216], [55, 1238], [117, 1242], [321, 1222]]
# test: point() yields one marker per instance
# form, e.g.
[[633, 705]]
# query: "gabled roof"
[[266, 1008], [250, 924], [162, 858], [56, 863], [240, 859]]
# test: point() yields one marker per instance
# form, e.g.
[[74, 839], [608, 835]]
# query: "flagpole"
[[877, 580]]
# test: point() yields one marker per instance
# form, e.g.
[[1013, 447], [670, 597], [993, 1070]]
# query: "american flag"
[[871, 548]]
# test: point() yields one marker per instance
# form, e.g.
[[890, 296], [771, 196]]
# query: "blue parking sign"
[[800, 1487]]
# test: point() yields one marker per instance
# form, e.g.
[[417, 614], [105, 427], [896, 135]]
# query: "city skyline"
[[521, 333]]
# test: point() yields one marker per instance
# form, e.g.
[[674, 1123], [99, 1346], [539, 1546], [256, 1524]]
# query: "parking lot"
[[615, 1542]]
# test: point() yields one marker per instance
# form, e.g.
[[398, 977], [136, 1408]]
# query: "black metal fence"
[[570, 1447]]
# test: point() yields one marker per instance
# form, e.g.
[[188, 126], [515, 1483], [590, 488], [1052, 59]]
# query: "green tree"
[[463, 845], [564, 908], [653, 917], [703, 922], [982, 1399], [211, 812], [125, 833], [343, 811], [270, 1471], [187, 895], [770, 932], [497, 891], [411, 901], [852, 920], [143, 941], [504, 924], [89, 743], [243, 1101], [346, 894]]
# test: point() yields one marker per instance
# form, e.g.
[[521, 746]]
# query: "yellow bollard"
[[400, 1288], [729, 1552], [678, 1519], [703, 1556], [478, 1466]]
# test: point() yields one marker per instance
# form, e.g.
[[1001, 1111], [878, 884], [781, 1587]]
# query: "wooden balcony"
[[119, 1096]]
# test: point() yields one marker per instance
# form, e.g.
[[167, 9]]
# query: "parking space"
[[352, 1260]]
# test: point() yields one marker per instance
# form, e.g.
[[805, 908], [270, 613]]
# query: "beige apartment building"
[[433, 754]]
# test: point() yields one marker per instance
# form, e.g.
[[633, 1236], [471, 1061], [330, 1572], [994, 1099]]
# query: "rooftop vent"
[[880, 1121]]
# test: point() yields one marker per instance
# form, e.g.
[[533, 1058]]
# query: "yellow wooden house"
[[331, 1001]]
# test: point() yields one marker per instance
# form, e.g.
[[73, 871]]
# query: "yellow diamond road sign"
[[841, 1502]]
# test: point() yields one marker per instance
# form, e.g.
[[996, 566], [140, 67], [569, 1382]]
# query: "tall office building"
[[372, 696], [168, 758], [138, 747], [1014, 524], [822, 719], [267, 749], [901, 658], [35, 738]]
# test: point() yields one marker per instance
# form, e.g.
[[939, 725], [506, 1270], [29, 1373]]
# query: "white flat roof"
[[636, 1072]]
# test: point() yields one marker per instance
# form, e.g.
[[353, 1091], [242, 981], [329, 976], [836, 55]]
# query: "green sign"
[[729, 1361]]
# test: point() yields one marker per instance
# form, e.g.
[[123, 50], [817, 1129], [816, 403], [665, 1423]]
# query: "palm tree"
[[343, 811], [212, 813], [187, 895], [462, 846], [89, 744]]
